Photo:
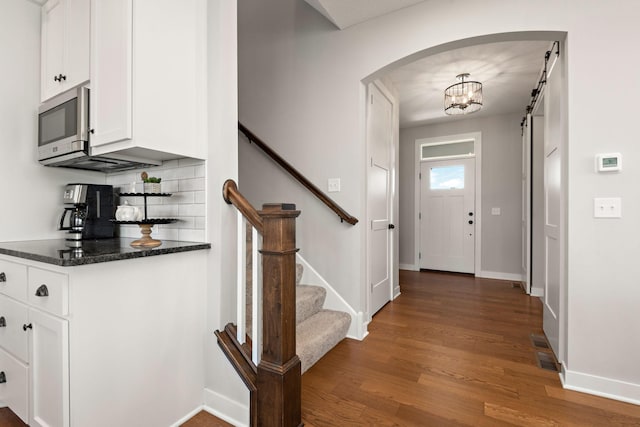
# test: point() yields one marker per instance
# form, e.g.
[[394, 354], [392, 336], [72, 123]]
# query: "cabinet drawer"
[[13, 280], [13, 338], [49, 291], [14, 391]]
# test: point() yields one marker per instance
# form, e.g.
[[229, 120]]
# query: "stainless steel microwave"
[[63, 136]]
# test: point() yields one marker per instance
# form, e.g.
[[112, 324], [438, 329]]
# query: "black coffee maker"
[[89, 209]]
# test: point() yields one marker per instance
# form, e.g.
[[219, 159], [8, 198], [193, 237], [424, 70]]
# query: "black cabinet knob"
[[3, 277], [470, 213], [3, 377], [25, 327], [3, 322], [42, 291], [470, 221], [59, 78]]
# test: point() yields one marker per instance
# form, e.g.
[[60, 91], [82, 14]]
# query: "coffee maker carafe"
[[89, 211]]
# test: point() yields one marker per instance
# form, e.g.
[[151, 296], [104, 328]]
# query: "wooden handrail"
[[344, 215], [233, 197]]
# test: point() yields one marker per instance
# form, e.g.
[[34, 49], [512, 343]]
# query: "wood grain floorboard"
[[451, 350]]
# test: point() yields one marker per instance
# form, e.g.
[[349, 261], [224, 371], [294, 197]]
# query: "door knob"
[[470, 221], [3, 377], [3, 322], [391, 226], [3, 277]]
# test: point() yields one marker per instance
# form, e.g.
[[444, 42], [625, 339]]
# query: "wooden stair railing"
[[344, 215], [275, 384]]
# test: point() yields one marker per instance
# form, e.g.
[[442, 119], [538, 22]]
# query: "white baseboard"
[[600, 386], [500, 276], [396, 292], [410, 267], [225, 408], [187, 417], [537, 292]]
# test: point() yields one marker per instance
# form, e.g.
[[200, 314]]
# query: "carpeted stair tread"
[[309, 300], [318, 334]]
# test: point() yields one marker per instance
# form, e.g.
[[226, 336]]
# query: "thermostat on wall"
[[610, 162]]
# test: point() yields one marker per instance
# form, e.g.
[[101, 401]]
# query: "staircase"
[[317, 330], [291, 329]]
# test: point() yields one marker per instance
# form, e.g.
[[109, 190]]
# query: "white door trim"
[[477, 138]]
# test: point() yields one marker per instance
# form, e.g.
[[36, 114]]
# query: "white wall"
[[501, 188], [300, 90], [31, 194], [225, 394]]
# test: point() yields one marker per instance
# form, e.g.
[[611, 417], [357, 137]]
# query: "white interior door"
[[380, 140], [447, 215], [526, 204], [553, 257]]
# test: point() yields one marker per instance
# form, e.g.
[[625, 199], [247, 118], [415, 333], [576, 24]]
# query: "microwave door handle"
[[64, 213]]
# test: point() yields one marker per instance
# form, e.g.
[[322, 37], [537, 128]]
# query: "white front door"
[[447, 215], [380, 140]]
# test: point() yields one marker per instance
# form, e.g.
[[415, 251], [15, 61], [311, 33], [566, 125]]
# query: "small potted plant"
[[151, 183]]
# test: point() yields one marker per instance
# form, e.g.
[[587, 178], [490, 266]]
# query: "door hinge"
[[420, 175], [419, 255], [371, 99], [419, 215]]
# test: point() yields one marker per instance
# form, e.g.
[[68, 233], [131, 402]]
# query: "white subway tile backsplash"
[[192, 184], [189, 235], [185, 179], [191, 210], [200, 222], [200, 197], [182, 197]]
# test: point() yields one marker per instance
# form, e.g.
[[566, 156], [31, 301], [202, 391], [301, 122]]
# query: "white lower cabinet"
[[14, 385], [49, 365], [34, 344], [106, 344]]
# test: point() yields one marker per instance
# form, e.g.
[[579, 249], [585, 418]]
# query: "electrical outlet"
[[610, 207], [333, 185]]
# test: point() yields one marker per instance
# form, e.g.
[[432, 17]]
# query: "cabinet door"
[[65, 45], [13, 338], [52, 49], [111, 62], [76, 54], [49, 363], [14, 385]]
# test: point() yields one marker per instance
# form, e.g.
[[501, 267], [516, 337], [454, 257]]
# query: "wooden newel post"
[[279, 377]]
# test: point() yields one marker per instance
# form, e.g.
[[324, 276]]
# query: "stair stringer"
[[334, 301]]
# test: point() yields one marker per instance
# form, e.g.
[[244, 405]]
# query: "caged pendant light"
[[464, 97]]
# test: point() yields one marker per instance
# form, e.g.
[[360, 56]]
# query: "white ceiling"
[[344, 13], [508, 72]]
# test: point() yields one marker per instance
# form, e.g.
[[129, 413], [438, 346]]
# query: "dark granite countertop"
[[93, 251]]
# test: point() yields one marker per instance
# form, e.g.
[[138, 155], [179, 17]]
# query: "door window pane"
[[458, 148], [447, 177]]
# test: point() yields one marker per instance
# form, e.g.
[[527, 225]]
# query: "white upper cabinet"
[[65, 46], [148, 78]]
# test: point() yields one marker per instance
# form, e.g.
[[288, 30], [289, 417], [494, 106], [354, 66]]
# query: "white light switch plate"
[[333, 185], [609, 207]]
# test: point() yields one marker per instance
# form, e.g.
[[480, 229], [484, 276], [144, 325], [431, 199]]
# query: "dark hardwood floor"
[[452, 350]]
